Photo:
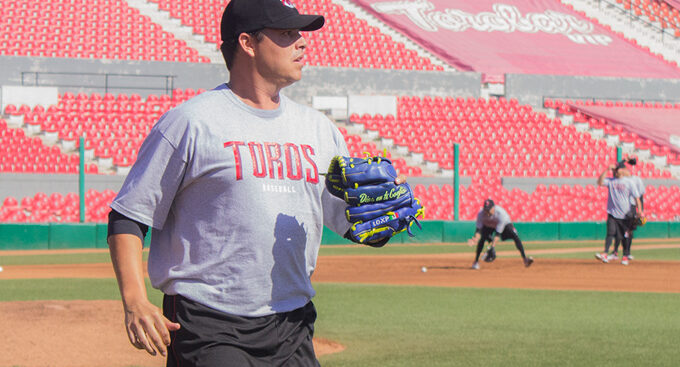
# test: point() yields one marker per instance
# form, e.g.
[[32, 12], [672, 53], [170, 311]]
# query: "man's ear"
[[246, 42]]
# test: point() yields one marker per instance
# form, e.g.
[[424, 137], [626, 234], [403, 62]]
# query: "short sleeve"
[[334, 207], [150, 188], [634, 190], [503, 220], [641, 185], [479, 220]]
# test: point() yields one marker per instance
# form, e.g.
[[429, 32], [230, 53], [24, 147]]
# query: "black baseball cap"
[[488, 204], [245, 16]]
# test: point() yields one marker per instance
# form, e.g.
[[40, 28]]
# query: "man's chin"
[[295, 77]]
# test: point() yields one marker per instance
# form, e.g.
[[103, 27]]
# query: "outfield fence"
[[46, 236]]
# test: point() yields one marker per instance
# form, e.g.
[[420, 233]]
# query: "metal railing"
[[605, 99], [100, 81], [633, 17]]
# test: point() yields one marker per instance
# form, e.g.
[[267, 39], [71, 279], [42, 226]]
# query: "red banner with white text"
[[496, 37]]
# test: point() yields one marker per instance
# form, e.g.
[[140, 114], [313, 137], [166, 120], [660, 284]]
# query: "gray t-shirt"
[[639, 185], [498, 220], [622, 191], [236, 201]]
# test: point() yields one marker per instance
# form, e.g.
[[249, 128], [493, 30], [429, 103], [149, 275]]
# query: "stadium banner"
[[659, 125], [495, 37]]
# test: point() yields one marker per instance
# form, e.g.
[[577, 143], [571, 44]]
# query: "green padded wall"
[[548, 231], [674, 230], [20, 236], [430, 233], [582, 231], [331, 238], [65, 236], [458, 231], [15, 236], [652, 230], [102, 231]]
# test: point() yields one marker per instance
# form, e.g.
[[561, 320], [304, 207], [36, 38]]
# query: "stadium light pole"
[[456, 183], [81, 178]]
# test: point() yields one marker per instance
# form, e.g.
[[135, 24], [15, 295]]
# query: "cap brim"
[[303, 22]]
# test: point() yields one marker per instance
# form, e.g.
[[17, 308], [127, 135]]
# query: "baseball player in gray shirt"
[[231, 184], [637, 181], [493, 222], [620, 212]]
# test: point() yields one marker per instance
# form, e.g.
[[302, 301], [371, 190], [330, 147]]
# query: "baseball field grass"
[[384, 325], [427, 326]]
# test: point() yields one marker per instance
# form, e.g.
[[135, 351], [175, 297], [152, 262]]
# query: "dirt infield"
[[91, 333], [454, 271]]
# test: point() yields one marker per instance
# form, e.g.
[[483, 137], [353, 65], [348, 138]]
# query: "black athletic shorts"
[[631, 218], [509, 232], [618, 227], [212, 338]]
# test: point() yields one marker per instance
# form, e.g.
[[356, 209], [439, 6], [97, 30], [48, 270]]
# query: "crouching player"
[[493, 222]]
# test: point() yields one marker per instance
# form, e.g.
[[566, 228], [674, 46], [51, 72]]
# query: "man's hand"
[[473, 241], [147, 328]]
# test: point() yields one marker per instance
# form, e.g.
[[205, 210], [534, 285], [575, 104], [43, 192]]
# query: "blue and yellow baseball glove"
[[378, 208]]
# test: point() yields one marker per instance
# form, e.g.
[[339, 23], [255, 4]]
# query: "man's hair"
[[230, 46]]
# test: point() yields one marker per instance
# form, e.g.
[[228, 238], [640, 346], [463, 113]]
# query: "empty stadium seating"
[[358, 148], [498, 137], [341, 43], [56, 207], [656, 11], [649, 25], [501, 138], [646, 169], [114, 128], [21, 153], [546, 203], [551, 203], [86, 29]]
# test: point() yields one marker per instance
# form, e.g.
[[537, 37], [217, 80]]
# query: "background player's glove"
[[378, 208], [490, 254], [640, 220]]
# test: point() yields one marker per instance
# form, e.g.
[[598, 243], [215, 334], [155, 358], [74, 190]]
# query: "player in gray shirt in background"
[[625, 172], [493, 222], [622, 191]]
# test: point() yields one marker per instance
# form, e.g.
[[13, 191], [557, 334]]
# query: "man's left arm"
[[638, 203], [495, 239]]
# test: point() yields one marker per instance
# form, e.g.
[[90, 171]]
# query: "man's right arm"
[[600, 180], [146, 326], [473, 241], [478, 231]]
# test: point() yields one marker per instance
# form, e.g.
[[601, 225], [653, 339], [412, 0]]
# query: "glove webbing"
[[392, 216]]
